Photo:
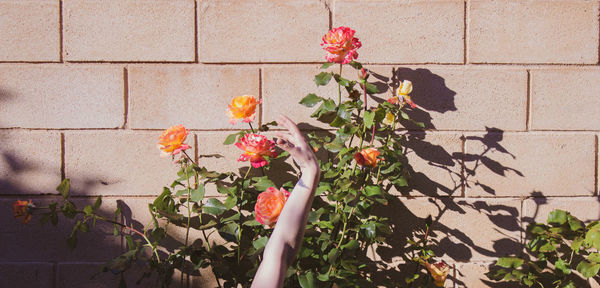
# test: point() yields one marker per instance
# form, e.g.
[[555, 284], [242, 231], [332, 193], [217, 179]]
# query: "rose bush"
[[362, 159]]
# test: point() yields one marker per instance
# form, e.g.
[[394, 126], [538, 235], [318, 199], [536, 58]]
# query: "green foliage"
[[342, 225], [553, 252]]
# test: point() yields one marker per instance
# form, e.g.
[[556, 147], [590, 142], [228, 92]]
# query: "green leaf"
[[576, 244], [594, 257], [197, 194], [371, 88], [260, 242], [231, 138], [326, 65], [307, 280], [355, 65], [64, 187], [562, 266], [231, 201], [129, 241], [574, 223], [88, 210], [263, 183], [592, 239], [252, 223], [341, 80], [588, 269], [509, 262], [557, 217], [322, 78], [373, 190], [214, 207], [97, 203], [69, 210], [351, 245], [368, 118], [333, 255], [311, 100]]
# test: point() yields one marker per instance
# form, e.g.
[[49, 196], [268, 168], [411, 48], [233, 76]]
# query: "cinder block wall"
[[509, 92]]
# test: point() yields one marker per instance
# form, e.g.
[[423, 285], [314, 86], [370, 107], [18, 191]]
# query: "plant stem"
[[340, 88], [251, 128], [344, 227], [240, 211], [187, 228], [128, 228], [188, 156], [387, 144]]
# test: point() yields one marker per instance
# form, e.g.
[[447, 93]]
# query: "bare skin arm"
[[284, 244]]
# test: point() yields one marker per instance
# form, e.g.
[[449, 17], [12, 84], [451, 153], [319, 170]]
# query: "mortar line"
[[540, 131], [260, 97], [62, 156], [55, 274], [522, 240], [196, 32], [125, 98], [60, 31], [466, 31], [528, 112], [463, 168], [330, 14], [196, 156], [596, 167]]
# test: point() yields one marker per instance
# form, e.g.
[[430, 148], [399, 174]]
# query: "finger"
[[283, 141], [284, 135], [289, 125]]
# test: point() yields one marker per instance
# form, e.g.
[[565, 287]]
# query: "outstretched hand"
[[294, 142]]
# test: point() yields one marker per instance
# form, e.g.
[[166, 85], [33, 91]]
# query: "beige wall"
[[509, 92]]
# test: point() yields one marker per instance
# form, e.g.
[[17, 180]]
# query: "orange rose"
[[242, 107], [269, 205], [439, 271], [255, 147], [23, 209], [171, 141], [367, 157]]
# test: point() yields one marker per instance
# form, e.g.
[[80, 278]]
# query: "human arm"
[[285, 241]]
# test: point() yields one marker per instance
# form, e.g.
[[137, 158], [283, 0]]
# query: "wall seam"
[[466, 15], [463, 172], [260, 98], [60, 31], [196, 58], [528, 112], [62, 156], [596, 167], [125, 98]]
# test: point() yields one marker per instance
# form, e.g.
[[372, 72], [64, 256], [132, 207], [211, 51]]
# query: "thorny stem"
[[187, 228], [240, 211], [188, 156], [128, 228], [350, 215], [340, 88], [387, 141]]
